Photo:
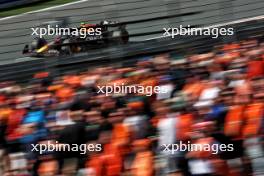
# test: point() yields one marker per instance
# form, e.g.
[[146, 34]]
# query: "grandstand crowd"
[[211, 98]]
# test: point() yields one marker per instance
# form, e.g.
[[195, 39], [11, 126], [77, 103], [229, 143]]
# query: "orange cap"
[[65, 93]]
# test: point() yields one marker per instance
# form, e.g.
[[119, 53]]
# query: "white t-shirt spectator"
[[165, 91], [167, 130]]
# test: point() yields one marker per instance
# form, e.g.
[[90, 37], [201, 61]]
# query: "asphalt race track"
[[147, 17]]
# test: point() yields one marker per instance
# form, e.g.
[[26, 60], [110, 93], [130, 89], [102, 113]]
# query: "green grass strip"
[[32, 7]]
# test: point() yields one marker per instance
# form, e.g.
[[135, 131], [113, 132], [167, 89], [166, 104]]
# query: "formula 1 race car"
[[81, 39]]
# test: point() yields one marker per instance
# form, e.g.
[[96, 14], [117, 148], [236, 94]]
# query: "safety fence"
[[145, 19], [22, 71]]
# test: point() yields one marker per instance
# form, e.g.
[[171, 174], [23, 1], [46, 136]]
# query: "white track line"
[[41, 10]]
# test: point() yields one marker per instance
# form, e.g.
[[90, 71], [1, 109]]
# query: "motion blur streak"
[[211, 92]]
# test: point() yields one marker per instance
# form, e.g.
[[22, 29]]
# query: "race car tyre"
[[65, 50]]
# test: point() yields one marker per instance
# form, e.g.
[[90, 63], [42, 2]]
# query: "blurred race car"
[[110, 33]]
